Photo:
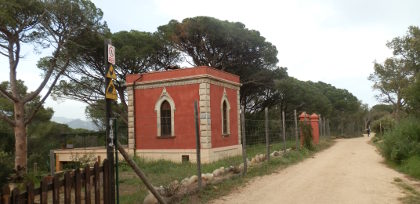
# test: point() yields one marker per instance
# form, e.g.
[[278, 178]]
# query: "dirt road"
[[349, 172]]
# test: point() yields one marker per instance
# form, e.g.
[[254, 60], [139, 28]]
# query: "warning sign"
[[111, 54], [111, 73], [111, 93]]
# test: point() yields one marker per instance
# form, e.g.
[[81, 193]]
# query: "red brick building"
[[161, 114]]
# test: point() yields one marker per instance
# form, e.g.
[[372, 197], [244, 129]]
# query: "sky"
[[334, 41]]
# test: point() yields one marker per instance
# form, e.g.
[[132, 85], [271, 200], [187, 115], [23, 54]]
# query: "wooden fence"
[[74, 187]]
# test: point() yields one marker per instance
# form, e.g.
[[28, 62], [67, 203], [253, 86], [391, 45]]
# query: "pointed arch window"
[[165, 118], [225, 113], [224, 118], [165, 113]]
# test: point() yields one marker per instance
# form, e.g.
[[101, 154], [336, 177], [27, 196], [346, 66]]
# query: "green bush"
[[307, 136], [387, 123], [411, 166], [403, 141], [6, 164]]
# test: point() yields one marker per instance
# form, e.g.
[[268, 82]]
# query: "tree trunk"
[[20, 137], [397, 109]]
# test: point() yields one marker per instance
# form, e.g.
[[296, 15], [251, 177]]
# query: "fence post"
[[296, 131], [52, 163], [320, 125], [244, 156], [44, 191], [328, 128], [29, 193], [35, 168], [106, 184], [67, 188], [267, 138], [87, 184], [5, 194], [56, 189], [96, 182], [198, 149], [380, 127], [284, 131], [15, 195], [78, 186]]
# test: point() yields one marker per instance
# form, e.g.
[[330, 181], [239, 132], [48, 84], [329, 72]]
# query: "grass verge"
[[409, 166], [412, 196], [162, 172], [275, 165]]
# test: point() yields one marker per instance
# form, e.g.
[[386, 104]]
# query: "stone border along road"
[[351, 171]]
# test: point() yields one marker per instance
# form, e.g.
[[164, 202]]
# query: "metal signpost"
[[110, 95]]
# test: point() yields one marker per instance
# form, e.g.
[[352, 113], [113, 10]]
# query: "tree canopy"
[[55, 25], [224, 45], [395, 78], [137, 52]]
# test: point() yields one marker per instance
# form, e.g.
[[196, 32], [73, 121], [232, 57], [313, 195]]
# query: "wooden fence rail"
[[74, 187]]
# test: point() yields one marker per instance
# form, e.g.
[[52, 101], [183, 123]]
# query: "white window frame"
[[225, 99], [164, 96]]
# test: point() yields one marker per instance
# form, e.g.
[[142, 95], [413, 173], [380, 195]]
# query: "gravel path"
[[351, 171]]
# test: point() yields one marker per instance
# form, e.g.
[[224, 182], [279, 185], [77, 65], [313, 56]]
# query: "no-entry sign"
[[111, 54]]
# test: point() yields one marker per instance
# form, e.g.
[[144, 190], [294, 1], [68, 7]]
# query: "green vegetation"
[[74, 31], [40, 130], [38, 25], [162, 172], [275, 164], [411, 166], [307, 135], [397, 80], [403, 141], [401, 146], [412, 196]]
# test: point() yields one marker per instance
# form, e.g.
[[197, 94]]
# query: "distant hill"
[[75, 123]]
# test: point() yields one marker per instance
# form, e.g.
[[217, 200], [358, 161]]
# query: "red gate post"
[[315, 128]]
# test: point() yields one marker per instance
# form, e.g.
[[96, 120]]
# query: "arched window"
[[224, 111], [165, 118], [225, 118], [165, 113]]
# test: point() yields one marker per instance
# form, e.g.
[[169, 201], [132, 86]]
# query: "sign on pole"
[[111, 73], [111, 93], [111, 54]]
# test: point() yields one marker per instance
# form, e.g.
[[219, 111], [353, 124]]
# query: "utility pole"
[[110, 95]]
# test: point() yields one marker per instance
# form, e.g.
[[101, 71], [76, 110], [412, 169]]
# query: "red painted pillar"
[[315, 127], [302, 118]]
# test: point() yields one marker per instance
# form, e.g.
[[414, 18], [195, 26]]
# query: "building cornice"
[[196, 79]]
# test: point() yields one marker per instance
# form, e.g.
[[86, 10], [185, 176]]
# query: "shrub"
[[307, 135], [80, 161], [6, 163], [403, 141], [411, 166], [387, 123]]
